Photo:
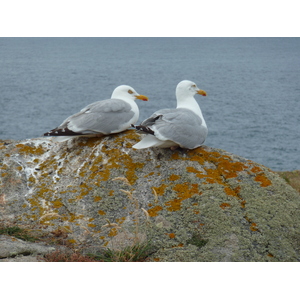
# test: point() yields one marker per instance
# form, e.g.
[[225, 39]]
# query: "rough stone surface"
[[13, 249], [193, 205]]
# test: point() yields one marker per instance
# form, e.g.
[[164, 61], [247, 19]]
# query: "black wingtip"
[[143, 129], [61, 132]]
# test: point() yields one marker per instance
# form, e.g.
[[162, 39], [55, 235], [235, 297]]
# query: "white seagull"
[[102, 117], [182, 127]]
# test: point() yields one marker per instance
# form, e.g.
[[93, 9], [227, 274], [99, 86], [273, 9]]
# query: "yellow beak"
[[201, 92], [142, 97]]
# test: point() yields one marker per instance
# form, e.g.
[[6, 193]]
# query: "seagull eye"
[[194, 85], [130, 91]]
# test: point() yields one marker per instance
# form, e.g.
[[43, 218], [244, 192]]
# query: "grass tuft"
[[135, 253], [62, 256], [18, 233]]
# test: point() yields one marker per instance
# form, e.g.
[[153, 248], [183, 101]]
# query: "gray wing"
[[179, 125], [100, 117]]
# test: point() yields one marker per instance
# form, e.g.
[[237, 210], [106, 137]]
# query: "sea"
[[252, 107]]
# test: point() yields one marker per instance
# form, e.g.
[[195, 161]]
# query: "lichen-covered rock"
[[13, 249], [192, 205]]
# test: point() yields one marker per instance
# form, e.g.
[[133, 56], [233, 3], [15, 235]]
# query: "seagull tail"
[[62, 138], [147, 142]]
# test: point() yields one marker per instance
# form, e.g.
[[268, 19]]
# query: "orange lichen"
[[172, 235], [225, 167], [97, 198], [160, 190], [72, 241], [232, 192], [264, 181], [121, 220], [192, 170], [26, 149], [153, 212], [184, 191], [225, 205], [256, 169], [174, 177], [91, 225], [253, 227], [243, 204], [150, 174], [101, 212], [113, 232], [57, 204]]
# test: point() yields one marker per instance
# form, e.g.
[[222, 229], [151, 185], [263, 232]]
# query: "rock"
[[13, 249], [192, 205]]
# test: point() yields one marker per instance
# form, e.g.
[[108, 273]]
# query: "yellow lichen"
[[113, 232], [225, 205], [26, 149], [253, 227], [160, 190], [71, 241], [264, 181], [184, 191], [150, 174], [101, 212], [256, 169], [97, 198], [153, 212], [57, 204], [174, 177], [232, 192]]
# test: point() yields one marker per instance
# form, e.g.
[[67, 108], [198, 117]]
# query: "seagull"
[[183, 126], [102, 117]]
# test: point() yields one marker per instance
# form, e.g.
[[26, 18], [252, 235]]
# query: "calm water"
[[253, 86]]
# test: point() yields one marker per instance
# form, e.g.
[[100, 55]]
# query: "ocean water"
[[252, 107]]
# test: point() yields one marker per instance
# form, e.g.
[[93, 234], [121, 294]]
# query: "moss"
[[197, 240]]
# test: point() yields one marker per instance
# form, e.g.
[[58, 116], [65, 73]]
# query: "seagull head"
[[188, 88], [126, 92]]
